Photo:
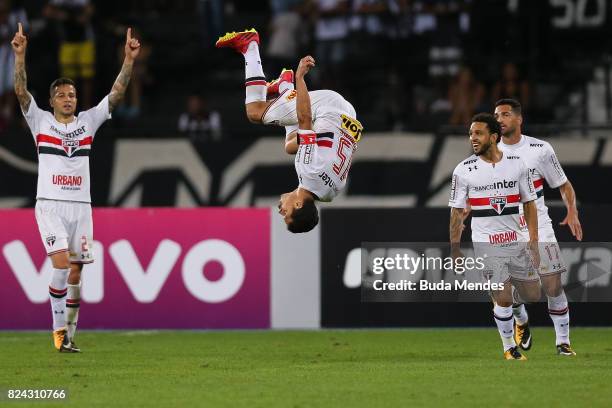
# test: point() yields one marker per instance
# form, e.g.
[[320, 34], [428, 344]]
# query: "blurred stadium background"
[[184, 187]]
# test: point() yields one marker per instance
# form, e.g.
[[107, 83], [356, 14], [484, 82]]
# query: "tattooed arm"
[[455, 230], [132, 48], [456, 225], [19, 44]]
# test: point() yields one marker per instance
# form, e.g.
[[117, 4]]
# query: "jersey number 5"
[[342, 165]]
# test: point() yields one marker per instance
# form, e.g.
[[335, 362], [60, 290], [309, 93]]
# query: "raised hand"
[[20, 42], [305, 64], [132, 46]]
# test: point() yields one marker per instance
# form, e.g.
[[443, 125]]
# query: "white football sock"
[[505, 325], [255, 80], [558, 310], [520, 314], [57, 295], [73, 303]]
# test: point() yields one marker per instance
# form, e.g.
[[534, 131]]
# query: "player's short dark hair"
[[305, 218], [59, 82], [489, 120], [513, 103]]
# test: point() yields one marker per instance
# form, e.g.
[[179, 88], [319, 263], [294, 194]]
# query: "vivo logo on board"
[[202, 268], [144, 281]]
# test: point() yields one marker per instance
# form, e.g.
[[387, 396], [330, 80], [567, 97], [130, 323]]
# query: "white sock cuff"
[[59, 279], [558, 304], [520, 314], [502, 312], [74, 291], [253, 47]]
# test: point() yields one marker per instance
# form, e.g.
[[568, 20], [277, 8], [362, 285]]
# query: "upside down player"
[[494, 184], [321, 130], [63, 202], [543, 165]]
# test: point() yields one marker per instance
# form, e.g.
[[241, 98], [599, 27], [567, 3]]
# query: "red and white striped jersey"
[[494, 192], [543, 164], [63, 151], [324, 155]]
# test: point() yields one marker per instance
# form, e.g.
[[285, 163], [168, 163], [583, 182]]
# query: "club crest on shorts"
[[498, 203], [50, 240]]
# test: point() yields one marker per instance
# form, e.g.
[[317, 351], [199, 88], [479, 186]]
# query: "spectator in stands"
[[511, 86], [9, 17], [466, 96], [77, 52], [210, 20], [331, 33], [368, 19], [286, 34], [131, 106], [447, 22], [198, 122]]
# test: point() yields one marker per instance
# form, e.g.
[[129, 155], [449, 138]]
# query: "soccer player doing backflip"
[[321, 129]]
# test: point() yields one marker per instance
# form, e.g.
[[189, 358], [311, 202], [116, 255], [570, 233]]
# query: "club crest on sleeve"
[[50, 240]]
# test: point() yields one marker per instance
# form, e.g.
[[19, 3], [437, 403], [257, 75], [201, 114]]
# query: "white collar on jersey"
[[518, 144]]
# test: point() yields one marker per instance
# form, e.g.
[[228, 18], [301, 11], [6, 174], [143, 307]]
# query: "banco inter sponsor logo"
[[70, 135], [497, 185]]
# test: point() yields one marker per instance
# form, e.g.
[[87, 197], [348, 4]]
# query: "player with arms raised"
[[543, 165], [321, 129], [494, 183], [63, 202]]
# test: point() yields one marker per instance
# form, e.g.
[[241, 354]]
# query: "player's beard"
[[485, 148], [509, 131]]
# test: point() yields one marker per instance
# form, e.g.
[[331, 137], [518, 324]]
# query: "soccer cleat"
[[514, 354], [239, 41], [61, 341], [522, 335], [286, 75], [58, 338], [565, 350], [74, 347]]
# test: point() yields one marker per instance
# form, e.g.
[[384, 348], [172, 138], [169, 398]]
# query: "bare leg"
[[60, 260], [255, 110], [528, 291]]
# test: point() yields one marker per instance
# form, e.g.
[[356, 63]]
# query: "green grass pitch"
[[327, 368]]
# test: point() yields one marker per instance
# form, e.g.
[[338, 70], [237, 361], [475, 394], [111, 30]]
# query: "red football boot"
[[285, 76], [239, 41]]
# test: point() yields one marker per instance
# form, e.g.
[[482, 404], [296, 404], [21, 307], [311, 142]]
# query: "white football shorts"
[[66, 226]]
